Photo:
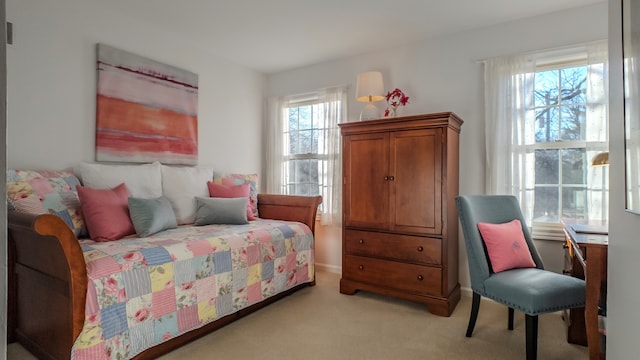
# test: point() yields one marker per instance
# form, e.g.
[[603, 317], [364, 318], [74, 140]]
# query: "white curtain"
[[274, 146], [335, 101], [510, 126], [509, 121], [597, 132]]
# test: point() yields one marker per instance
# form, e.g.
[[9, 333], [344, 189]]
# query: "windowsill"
[[547, 229]]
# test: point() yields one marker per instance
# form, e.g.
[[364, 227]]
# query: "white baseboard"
[[329, 268]]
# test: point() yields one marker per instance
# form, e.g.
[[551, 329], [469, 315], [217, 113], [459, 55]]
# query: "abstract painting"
[[146, 111]]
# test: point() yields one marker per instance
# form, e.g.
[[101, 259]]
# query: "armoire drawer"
[[395, 275], [409, 248]]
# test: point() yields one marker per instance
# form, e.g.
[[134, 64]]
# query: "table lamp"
[[600, 159], [369, 89]]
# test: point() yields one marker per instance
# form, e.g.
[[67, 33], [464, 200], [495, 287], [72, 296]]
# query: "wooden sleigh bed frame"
[[47, 280]]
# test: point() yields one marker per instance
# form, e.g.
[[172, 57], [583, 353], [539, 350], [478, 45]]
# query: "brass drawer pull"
[[361, 241], [420, 277], [420, 248], [361, 267]]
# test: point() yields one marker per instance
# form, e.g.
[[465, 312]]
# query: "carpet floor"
[[320, 323]]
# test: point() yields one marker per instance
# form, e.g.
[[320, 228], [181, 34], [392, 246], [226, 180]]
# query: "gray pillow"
[[150, 216], [231, 211]]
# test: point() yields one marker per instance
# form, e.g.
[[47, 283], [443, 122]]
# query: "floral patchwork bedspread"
[[143, 291]]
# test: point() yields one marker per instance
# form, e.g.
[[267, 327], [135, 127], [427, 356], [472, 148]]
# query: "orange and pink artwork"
[[146, 111]]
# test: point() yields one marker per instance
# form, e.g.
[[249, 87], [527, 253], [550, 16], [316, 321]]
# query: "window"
[[546, 118], [564, 144], [303, 147]]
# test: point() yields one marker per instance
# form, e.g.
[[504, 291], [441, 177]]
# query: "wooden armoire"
[[400, 225]]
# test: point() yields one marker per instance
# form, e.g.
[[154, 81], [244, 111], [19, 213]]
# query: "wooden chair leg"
[[475, 307], [531, 324], [510, 324]]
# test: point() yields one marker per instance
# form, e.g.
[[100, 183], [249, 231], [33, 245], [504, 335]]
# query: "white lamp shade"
[[369, 87]]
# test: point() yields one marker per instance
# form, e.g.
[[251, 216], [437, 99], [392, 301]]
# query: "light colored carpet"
[[320, 323]]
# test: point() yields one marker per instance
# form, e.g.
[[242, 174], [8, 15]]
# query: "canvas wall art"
[[146, 111]]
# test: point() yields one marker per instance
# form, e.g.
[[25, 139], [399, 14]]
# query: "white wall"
[[445, 74], [51, 104], [52, 85], [623, 316], [3, 183]]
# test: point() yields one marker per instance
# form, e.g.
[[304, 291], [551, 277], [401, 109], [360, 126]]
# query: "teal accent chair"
[[533, 291]]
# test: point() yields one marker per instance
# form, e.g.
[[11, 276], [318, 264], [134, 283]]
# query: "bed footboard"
[[289, 207], [50, 282]]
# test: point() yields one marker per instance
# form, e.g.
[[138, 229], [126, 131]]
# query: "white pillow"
[[181, 185], [142, 181]]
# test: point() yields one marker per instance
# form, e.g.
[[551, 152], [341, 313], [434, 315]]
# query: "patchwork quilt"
[[143, 291]]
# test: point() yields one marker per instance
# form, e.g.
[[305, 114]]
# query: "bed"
[[142, 297]]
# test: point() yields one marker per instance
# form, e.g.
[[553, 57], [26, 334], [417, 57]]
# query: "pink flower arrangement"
[[394, 99]]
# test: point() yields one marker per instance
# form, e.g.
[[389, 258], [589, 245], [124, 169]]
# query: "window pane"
[[291, 165], [547, 124], [305, 142], [303, 176], [574, 166], [546, 169], [546, 202], [574, 202], [573, 122], [302, 171], [305, 117], [293, 142], [293, 119], [574, 85], [314, 141], [546, 88], [318, 116]]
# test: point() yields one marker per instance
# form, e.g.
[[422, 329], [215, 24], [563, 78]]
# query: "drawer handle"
[[392, 178], [361, 241], [386, 178], [361, 267], [420, 248], [420, 277]]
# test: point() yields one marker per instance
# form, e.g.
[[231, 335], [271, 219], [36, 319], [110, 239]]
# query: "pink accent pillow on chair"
[[106, 212], [506, 245], [232, 191]]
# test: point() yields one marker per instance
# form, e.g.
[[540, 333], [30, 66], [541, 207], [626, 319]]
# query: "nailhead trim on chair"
[[519, 308]]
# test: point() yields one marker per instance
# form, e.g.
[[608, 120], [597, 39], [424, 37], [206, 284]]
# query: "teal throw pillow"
[[231, 211], [150, 216]]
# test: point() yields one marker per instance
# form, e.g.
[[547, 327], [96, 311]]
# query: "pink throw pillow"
[[506, 245], [106, 212], [232, 191]]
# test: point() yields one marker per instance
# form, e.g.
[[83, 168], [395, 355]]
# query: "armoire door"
[[366, 181], [416, 185]]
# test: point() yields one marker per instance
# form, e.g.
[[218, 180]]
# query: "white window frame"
[[321, 157]]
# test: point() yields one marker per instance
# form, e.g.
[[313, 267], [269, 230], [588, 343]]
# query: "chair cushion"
[[535, 291], [506, 245]]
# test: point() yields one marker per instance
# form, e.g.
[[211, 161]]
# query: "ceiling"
[[278, 35]]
